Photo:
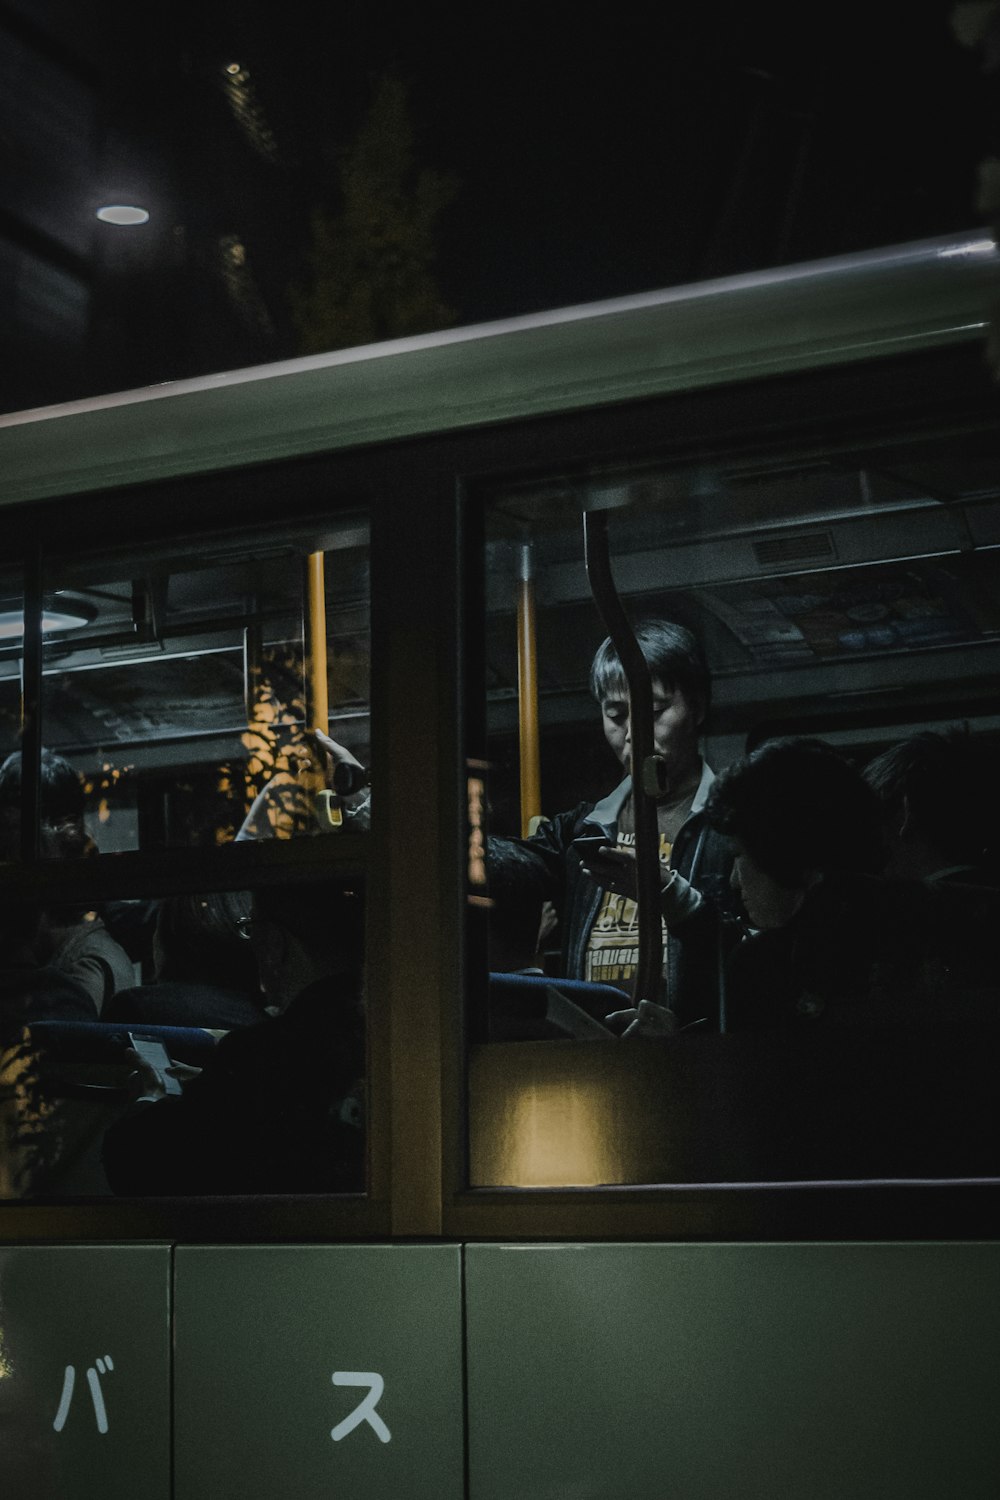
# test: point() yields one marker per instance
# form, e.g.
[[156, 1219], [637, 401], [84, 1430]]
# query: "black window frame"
[[197, 507], [823, 411]]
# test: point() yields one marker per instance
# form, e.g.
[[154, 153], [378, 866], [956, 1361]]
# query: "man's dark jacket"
[[700, 854]]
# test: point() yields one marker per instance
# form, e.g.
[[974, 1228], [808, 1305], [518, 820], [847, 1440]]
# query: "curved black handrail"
[[649, 970]]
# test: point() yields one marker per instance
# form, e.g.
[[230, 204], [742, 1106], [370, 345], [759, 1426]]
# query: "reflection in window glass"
[[11, 655], [186, 695], [206, 1043], [827, 1007]]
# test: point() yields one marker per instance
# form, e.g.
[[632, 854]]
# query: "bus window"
[[844, 594], [186, 692], [11, 657], [207, 1043]]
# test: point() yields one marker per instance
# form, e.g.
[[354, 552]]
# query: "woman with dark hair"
[[796, 811], [828, 939], [879, 993], [940, 807], [205, 972]]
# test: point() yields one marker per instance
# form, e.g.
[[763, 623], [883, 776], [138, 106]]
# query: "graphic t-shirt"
[[613, 946]]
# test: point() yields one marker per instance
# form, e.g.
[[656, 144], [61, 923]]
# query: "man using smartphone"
[[590, 850]]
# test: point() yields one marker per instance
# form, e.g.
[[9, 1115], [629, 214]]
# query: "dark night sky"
[[605, 152], [597, 152]]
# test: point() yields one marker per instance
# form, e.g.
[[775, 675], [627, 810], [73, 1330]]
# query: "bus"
[[569, 1263]]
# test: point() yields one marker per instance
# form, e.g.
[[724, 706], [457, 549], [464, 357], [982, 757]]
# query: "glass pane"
[[826, 1006], [184, 690], [11, 655], [206, 1043]]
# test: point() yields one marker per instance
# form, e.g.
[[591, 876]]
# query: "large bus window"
[[186, 693], [843, 1024], [207, 1043]]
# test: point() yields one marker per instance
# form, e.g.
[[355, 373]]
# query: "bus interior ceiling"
[[854, 596], [153, 687]]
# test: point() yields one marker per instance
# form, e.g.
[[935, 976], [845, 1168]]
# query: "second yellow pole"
[[318, 710], [527, 693]]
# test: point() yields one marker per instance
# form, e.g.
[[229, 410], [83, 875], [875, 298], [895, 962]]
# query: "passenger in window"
[[204, 970], [132, 924], [593, 893], [326, 787], [30, 989], [279, 1108], [61, 808], [864, 1009], [830, 941], [940, 801], [73, 941]]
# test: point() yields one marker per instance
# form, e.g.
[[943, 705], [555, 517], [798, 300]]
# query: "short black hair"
[[798, 806], [61, 804], [673, 655], [200, 939], [61, 795], [949, 784]]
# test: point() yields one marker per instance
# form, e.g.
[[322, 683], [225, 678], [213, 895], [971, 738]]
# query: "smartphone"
[[156, 1056], [590, 843]]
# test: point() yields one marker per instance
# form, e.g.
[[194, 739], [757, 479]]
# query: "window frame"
[[678, 429], [194, 508], [424, 478]]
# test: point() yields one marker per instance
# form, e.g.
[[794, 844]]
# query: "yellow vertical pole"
[[316, 673], [527, 692], [326, 805]]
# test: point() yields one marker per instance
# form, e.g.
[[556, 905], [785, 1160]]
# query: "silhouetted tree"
[[371, 262]]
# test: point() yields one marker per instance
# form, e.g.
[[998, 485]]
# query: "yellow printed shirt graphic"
[[613, 946]]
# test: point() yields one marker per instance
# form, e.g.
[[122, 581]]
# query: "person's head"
[[939, 801], [516, 882], [681, 693], [198, 939], [795, 811], [301, 933], [61, 803]]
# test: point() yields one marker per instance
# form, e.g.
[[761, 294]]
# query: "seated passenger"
[[592, 894], [860, 1048], [31, 990], [132, 923], [73, 941], [830, 941], [279, 1108], [204, 970], [941, 807]]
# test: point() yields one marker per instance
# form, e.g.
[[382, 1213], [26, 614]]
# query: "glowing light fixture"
[[971, 247], [232, 67], [122, 213], [61, 612]]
